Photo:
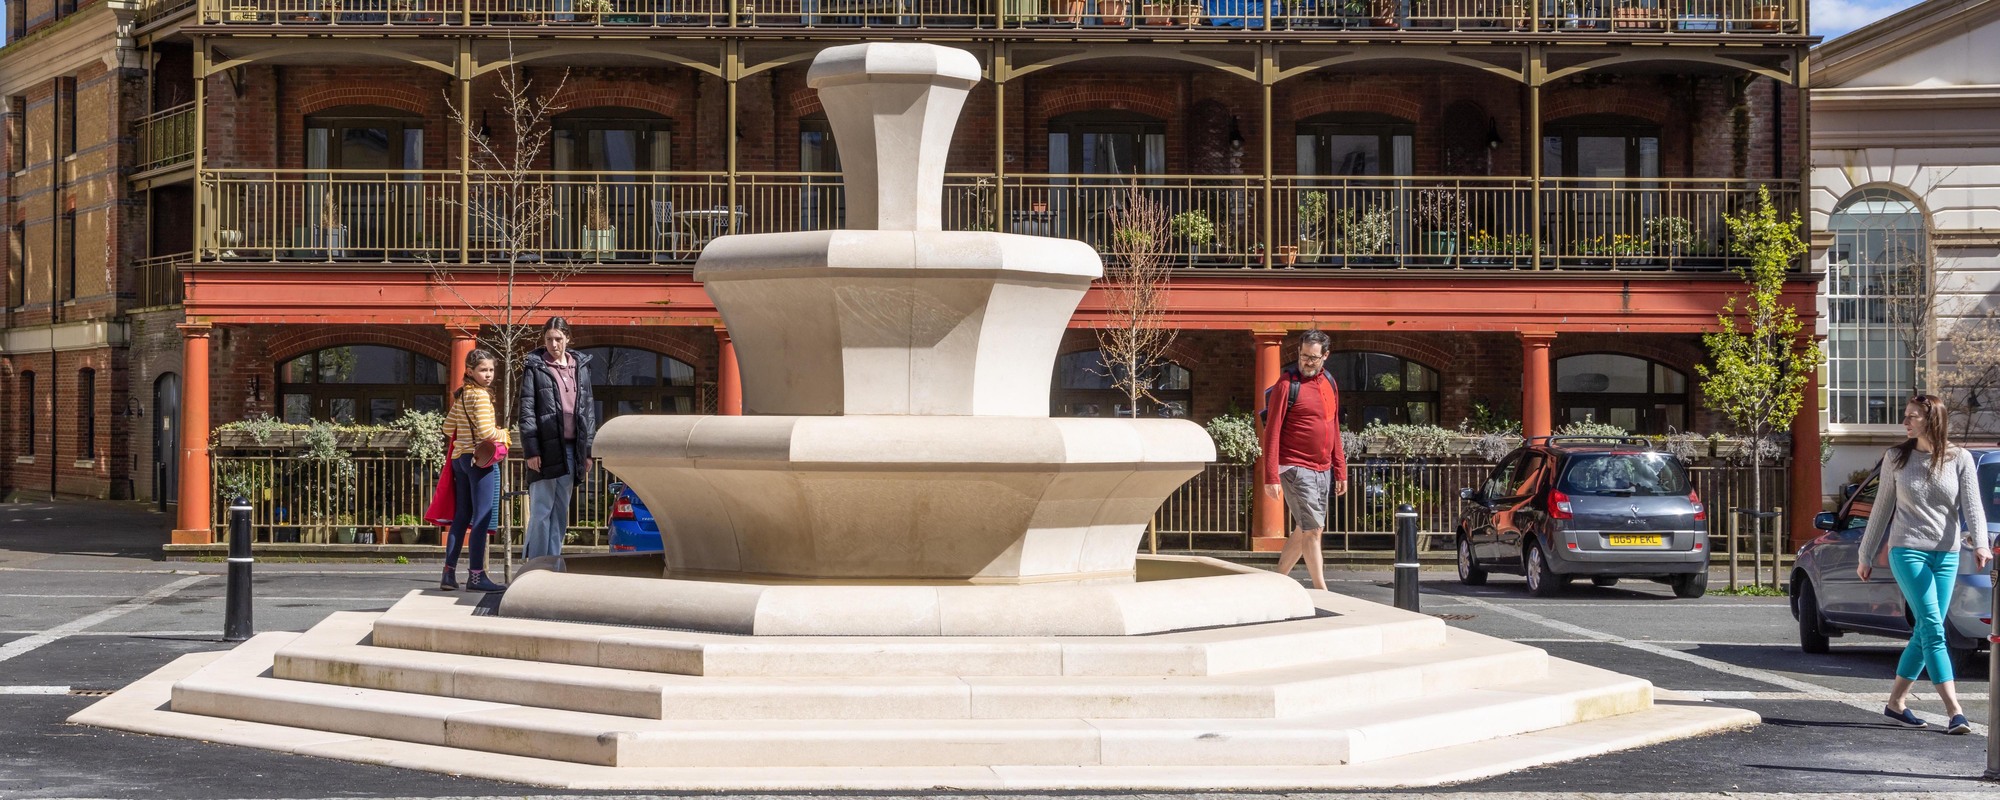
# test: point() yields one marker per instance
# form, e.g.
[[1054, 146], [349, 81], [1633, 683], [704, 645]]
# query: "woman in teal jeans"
[[1926, 502]]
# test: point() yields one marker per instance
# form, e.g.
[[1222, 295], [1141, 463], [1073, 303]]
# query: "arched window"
[[1877, 270], [1636, 394], [1083, 388], [363, 383], [86, 411], [627, 380], [1378, 387], [1349, 144]]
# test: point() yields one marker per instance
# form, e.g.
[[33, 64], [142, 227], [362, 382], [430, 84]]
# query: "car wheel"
[[1469, 572], [1691, 585], [1604, 582], [1542, 581], [1812, 637]]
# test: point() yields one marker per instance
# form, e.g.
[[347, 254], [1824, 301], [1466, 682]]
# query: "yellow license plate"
[[1636, 540]]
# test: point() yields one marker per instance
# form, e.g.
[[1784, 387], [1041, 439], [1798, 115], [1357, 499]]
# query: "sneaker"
[[1905, 717], [1959, 726], [478, 582], [450, 582]]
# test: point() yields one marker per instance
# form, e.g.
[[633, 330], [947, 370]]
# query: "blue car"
[[632, 527]]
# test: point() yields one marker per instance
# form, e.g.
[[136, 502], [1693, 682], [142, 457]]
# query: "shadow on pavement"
[[84, 528]]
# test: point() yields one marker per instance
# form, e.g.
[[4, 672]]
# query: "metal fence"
[[165, 137], [159, 279], [1213, 511]]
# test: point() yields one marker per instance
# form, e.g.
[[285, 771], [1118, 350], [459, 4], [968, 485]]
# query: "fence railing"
[[165, 137], [1312, 222], [159, 279], [1551, 16], [1213, 511], [151, 10]]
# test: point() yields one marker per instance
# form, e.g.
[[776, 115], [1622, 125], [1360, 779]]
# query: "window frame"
[[29, 405], [1870, 372], [1642, 403], [86, 412], [321, 394], [655, 399], [1355, 396], [1063, 398], [1387, 128]]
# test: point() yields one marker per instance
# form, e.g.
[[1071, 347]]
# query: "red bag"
[[444, 499]]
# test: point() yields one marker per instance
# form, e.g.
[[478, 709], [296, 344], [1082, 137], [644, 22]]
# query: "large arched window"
[[1876, 273], [1378, 387], [1350, 144], [627, 380], [1638, 395], [363, 383], [1083, 388]]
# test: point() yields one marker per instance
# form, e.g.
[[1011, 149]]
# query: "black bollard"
[[1406, 557], [236, 625]]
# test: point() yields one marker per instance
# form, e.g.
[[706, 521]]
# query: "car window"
[[1625, 475], [1497, 484], [1528, 475], [1989, 488], [1859, 505]]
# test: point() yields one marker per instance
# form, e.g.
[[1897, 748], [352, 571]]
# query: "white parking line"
[[32, 641], [34, 690], [1872, 697], [1813, 690]]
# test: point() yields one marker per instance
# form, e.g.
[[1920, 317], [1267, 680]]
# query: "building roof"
[[1945, 40]]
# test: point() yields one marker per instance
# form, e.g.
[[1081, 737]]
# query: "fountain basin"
[[997, 500]]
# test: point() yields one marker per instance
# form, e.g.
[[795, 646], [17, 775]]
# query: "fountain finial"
[[892, 106]]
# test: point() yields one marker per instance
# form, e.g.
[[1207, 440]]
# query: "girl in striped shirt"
[[470, 421]]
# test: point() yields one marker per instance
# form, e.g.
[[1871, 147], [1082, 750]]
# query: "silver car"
[[1828, 599]]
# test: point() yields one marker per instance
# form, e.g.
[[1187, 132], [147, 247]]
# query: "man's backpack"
[[1291, 396]]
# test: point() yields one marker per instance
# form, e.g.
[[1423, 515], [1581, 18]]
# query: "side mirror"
[[1826, 521], [1471, 495], [1849, 490]]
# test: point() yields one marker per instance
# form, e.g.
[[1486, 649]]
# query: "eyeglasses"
[[1311, 359]]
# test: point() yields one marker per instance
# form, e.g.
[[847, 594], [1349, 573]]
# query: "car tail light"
[[1699, 546], [623, 547], [1700, 511], [1559, 507], [622, 509]]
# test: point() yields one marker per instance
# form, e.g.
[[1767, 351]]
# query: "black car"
[[1565, 507]]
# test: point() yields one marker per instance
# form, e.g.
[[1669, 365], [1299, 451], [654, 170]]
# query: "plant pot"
[[409, 535], [1441, 243], [344, 534], [1383, 13], [1288, 255], [1016, 12], [1112, 12], [1766, 18], [600, 242], [1159, 14], [1515, 17], [1188, 14], [364, 536], [1071, 11], [1634, 18]]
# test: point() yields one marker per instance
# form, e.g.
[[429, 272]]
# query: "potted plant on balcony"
[[1188, 12], [1515, 15], [330, 235], [1634, 16], [1441, 214], [1312, 224], [1571, 16], [1670, 235], [600, 237], [1384, 13], [1069, 12], [1112, 12], [409, 530], [1194, 228], [591, 12], [1158, 14], [1766, 15], [1363, 236]]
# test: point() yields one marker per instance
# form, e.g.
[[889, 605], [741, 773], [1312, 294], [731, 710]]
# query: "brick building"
[[1473, 196]]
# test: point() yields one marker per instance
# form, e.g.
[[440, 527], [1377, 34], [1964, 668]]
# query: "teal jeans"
[[1925, 576]]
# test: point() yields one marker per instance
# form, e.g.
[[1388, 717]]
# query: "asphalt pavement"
[[86, 607]]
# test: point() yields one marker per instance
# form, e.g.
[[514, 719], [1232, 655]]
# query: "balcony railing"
[[1550, 16], [152, 10], [165, 137], [158, 279], [1308, 222]]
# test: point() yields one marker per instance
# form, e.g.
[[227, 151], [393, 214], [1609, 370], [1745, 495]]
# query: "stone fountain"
[[898, 573]]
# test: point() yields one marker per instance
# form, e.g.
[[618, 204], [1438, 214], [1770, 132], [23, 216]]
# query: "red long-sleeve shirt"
[[1305, 434]]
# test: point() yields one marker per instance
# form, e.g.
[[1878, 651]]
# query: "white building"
[[1905, 200]]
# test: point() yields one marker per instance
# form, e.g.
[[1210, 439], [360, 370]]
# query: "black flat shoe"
[[478, 582], [1905, 718], [1959, 725]]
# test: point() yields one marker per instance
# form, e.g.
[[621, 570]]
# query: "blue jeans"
[[477, 491], [1925, 576], [548, 506]]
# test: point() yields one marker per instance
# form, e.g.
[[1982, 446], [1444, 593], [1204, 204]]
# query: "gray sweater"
[[1927, 510]]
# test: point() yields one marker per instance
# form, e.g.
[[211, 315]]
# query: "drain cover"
[[91, 692], [1454, 617]]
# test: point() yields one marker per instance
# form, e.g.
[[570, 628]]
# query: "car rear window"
[[1989, 488], [1625, 474]]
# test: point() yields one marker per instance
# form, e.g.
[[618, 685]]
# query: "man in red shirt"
[[1302, 452]]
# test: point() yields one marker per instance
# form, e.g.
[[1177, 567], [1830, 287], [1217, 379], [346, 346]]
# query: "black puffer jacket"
[[541, 414]]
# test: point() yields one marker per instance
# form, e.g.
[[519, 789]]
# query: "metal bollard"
[[1406, 557], [236, 625]]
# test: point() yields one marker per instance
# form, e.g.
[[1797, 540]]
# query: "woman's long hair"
[[472, 360], [1936, 418]]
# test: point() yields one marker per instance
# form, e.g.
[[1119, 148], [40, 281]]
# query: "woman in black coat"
[[558, 420]]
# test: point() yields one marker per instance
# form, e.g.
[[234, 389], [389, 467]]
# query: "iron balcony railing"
[[165, 137], [154, 10], [1303, 222], [158, 279], [1745, 17]]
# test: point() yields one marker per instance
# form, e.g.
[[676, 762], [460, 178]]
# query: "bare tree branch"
[[1134, 345]]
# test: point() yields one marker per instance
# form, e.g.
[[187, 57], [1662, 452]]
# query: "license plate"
[[1636, 540]]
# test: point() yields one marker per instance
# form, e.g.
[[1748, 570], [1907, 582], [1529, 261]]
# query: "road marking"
[[1872, 697], [1884, 644], [34, 690], [30, 642], [208, 634], [1817, 691]]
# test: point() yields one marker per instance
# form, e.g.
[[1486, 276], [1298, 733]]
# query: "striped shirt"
[[471, 420]]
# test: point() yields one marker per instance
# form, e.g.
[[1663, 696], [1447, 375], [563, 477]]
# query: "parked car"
[[632, 527], [1565, 507], [1829, 600]]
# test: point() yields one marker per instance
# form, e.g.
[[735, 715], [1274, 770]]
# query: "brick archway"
[[402, 97], [1358, 96], [1105, 96], [676, 344], [1644, 102], [618, 93], [290, 343]]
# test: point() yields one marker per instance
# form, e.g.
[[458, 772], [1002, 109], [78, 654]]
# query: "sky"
[[1830, 18]]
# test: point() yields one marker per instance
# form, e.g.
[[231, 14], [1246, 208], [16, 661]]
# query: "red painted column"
[[1537, 408], [463, 342], [192, 520], [728, 380], [1267, 516], [1806, 496]]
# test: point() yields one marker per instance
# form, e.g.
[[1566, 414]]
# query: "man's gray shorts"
[[1306, 493]]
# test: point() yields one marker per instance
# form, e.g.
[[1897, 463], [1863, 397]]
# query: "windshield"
[[1989, 489], [1625, 474]]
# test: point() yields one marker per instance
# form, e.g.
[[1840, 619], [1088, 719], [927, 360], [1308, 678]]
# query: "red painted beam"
[[1417, 302]]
